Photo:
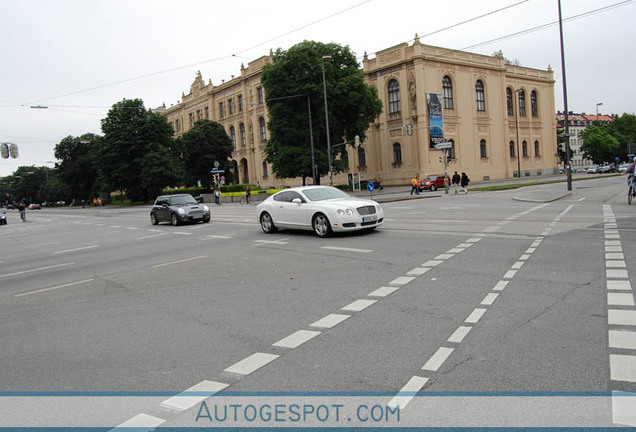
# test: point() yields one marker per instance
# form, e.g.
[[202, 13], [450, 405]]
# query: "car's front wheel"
[[153, 219], [433, 188], [321, 225], [174, 219], [267, 224]]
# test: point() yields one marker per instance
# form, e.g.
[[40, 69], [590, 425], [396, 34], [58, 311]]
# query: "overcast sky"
[[78, 57]]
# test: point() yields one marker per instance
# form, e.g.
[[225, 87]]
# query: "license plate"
[[197, 217], [369, 218]]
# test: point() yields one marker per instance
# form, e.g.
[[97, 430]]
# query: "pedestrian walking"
[[464, 182], [217, 196], [415, 186], [456, 181]]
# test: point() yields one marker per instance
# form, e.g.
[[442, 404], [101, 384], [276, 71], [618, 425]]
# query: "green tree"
[[204, 144], [623, 128], [136, 153], [78, 167], [598, 145], [295, 77], [561, 150]]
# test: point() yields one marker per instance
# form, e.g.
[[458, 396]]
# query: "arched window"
[[482, 149], [447, 86], [522, 103], [511, 147], [395, 105], [533, 104], [243, 138], [233, 136], [362, 157], [480, 96], [265, 170], [509, 103], [262, 128], [524, 148], [537, 152], [397, 154]]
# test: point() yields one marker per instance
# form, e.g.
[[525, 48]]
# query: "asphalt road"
[[485, 292]]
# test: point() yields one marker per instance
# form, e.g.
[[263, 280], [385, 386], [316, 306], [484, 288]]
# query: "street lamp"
[[597, 105], [517, 124], [324, 88]]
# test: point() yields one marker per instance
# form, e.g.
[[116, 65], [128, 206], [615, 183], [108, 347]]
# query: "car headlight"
[[342, 212], [206, 208], [181, 212]]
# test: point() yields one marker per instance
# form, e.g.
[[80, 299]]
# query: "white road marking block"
[[383, 291], [436, 361], [141, 423], [621, 317], [623, 367], [615, 264], [489, 299], [418, 271], [620, 299], [621, 285], [616, 274], [475, 315], [359, 305], [408, 392], [402, 280], [251, 363], [622, 339], [294, 340], [500, 285], [624, 408], [510, 274], [432, 263], [459, 334], [183, 401], [330, 321]]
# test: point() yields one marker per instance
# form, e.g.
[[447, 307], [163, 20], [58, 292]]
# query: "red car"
[[433, 182]]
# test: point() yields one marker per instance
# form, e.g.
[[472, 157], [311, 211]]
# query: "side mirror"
[[297, 201]]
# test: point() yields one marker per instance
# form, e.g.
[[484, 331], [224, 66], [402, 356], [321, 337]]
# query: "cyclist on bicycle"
[[22, 211], [630, 171]]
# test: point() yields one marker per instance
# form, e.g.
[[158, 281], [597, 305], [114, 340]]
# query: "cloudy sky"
[[78, 57]]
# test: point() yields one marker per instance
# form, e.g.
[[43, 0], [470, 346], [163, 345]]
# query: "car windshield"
[[324, 193], [182, 200], [431, 178]]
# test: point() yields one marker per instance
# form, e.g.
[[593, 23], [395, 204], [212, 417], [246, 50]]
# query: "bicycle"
[[23, 215], [246, 200], [631, 191]]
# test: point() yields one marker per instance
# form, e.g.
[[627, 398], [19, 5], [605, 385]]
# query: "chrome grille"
[[366, 210]]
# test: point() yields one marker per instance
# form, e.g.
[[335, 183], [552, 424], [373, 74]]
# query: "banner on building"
[[436, 124]]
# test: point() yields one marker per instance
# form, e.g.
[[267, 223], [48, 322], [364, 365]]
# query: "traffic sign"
[[444, 145], [370, 187]]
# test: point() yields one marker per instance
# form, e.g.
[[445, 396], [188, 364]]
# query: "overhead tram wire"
[[148, 75]]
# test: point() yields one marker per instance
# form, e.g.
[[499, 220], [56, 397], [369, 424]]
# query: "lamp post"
[[568, 168], [324, 88], [517, 125], [597, 105], [311, 143]]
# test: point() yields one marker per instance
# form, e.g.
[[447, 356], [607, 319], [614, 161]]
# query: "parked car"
[[623, 167], [593, 170], [178, 209], [323, 209], [433, 182], [3, 218], [35, 206], [605, 169]]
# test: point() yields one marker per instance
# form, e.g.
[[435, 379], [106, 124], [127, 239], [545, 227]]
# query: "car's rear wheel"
[[206, 220], [153, 219], [267, 223], [321, 225], [174, 219], [433, 188]]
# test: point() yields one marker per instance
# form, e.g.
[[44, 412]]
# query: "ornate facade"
[[499, 117]]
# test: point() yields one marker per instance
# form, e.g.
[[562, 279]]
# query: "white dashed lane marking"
[[475, 315], [622, 339], [179, 261], [436, 361], [140, 423], [184, 400], [75, 250], [459, 334], [383, 291], [408, 392], [296, 339], [252, 363], [621, 317], [330, 321], [54, 288], [359, 305], [344, 249]]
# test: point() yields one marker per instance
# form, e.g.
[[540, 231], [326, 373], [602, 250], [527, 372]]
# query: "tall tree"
[[204, 144], [77, 167], [598, 145], [135, 153], [294, 78], [623, 128]]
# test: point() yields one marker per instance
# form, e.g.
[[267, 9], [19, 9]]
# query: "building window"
[[447, 85], [482, 149], [207, 112], [362, 157], [191, 119], [242, 130], [511, 108], [177, 124], [262, 128], [524, 148], [522, 103], [230, 106], [537, 153], [240, 102], [395, 106], [233, 136], [511, 146], [265, 174], [450, 154], [221, 110], [480, 96], [344, 157], [533, 104], [259, 94], [397, 154]]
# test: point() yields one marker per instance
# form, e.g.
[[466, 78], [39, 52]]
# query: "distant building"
[[485, 104], [576, 124]]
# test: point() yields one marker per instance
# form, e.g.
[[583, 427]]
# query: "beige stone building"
[[499, 117]]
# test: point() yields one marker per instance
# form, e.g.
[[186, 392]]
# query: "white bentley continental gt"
[[323, 209]]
